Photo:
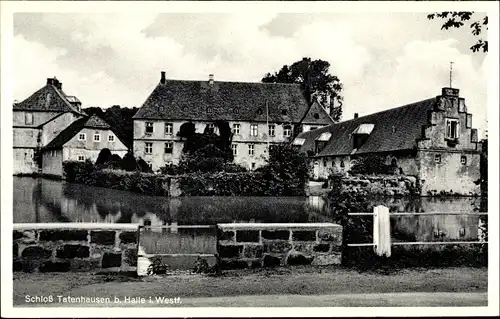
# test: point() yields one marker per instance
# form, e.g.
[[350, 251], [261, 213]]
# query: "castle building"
[[50, 127], [432, 140], [259, 114], [38, 120]]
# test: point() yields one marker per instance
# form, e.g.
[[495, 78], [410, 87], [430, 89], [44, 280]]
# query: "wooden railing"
[[382, 230]]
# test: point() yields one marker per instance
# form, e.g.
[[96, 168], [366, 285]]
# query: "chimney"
[[50, 81], [356, 115], [59, 85], [163, 79], [449, 92], [211, 79]]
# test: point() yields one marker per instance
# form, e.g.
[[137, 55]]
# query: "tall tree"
[[457, 20], [316, 80]]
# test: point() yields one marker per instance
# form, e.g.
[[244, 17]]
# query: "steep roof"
[[68, 133], [394, 129], [49, 98], [199, 100]]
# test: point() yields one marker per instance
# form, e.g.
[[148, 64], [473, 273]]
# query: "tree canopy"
[[457, 20], [316, 80]]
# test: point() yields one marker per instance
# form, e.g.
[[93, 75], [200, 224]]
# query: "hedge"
[[256, 183]]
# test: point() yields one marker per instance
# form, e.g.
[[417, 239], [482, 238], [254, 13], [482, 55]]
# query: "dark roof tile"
[[48, 98], [68, 133], [407, 122], [198, 100]]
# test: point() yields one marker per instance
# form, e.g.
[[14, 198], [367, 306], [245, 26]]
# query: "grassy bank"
[[276, 281]]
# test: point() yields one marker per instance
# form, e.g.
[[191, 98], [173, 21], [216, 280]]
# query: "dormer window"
[[321, 140], [316, 115], [284, 112], [209, 110], [299, 141], [361, 134]]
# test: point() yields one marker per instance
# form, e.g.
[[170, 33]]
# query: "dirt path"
[[291, 281]]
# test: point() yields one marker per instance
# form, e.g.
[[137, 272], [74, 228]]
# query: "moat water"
[[38, 200]]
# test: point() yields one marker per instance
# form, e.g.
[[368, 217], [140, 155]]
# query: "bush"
[[104, 157], [115, 162], [138, 182], [129, 162], [143, 166], [371, 164]]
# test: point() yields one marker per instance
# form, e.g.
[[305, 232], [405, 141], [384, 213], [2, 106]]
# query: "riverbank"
[[303, 281]]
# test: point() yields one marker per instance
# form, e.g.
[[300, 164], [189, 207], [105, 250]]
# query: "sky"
[[384, 60]]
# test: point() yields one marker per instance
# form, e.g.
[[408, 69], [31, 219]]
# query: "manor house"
[[431, 139], [260, 114]]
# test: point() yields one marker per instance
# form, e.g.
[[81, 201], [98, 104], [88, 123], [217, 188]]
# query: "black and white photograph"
[[249, 158]]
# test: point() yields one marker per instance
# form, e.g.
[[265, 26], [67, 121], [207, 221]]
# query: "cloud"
[[383, 60]]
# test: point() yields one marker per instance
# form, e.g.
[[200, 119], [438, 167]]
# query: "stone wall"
[[263, 245], [75, 247], [381, 185]]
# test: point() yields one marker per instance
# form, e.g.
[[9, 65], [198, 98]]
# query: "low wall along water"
[[262, 245], [61, 247]]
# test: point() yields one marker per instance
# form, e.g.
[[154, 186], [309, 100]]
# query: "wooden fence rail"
[[382, 230]]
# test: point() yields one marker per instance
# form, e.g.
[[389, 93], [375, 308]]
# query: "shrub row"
[[235, 184], [256, 183], [138, 182]]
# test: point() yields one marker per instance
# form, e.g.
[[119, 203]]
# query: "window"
[[462, 232], [342, 165], [316, 115], [254, 130], [394, 162], [150, 165], [149, 148], [452, 128], [287, 130], [81, 158], [325, 162], [253, 165], [272, 129], [236, 128], [437, 158], [111, 138], [149, 128], [234, 147], [463, 160], [284, 112], [209, 110], [251, 149], [82, 137], [169, 128], [210, 128], [259, 111], [169, 147], [28, 118], [97, 137]]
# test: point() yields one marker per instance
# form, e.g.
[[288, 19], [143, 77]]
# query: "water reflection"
[[42, 201]]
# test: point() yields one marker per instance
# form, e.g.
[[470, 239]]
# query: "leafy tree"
[[129, 162], [286, 169], [457, 20], [104, 157], [316, 80], [120, 120]]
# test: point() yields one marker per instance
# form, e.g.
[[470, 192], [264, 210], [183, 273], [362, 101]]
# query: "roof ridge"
[[238, 82], [387, 110]]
